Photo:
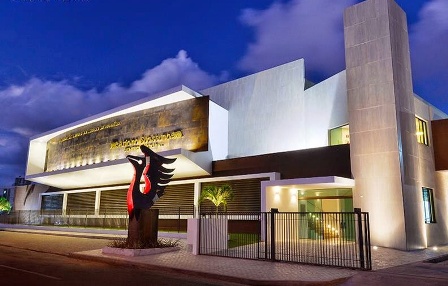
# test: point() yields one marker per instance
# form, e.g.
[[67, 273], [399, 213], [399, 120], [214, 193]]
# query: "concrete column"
[[197, 194], [384, 151], [97, 202], [64, 204]]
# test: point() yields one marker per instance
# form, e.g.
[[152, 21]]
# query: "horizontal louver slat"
[[84, 202], [247, 195], [113, 201], [175, 197]]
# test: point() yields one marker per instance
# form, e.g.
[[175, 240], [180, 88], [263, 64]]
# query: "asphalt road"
[[35, 259]]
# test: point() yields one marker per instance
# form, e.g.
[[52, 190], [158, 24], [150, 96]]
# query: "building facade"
[[359, 139]]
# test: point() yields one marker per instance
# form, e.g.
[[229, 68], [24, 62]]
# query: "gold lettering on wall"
[[151, 141], [91, 130], [182, 124]]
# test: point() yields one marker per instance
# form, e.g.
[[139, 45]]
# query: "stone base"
[[137, 252]]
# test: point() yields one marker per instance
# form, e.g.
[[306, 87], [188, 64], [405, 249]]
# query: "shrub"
[[125, 243]]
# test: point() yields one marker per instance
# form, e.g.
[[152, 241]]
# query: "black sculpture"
[[156, 178]]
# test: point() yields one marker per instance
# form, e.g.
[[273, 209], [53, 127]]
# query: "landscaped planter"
[[137, 252]]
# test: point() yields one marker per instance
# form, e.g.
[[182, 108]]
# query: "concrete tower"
[[385, 157]]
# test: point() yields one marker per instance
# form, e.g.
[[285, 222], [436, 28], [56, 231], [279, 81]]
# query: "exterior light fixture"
[[293, 193]]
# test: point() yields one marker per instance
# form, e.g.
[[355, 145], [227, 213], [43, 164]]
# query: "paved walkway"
[[256, 272]]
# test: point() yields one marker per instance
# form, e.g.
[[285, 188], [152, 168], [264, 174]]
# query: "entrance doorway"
[[336, 203], [325, 200]]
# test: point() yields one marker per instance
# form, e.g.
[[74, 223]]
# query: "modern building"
[[359, 139]]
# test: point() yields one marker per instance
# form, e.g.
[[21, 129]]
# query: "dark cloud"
[[39, 105], [309, 29], [12, 156], [429, 52], [313, 30]]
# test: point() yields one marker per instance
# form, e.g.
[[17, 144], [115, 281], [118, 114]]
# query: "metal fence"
[[170, 219], [335, 239]]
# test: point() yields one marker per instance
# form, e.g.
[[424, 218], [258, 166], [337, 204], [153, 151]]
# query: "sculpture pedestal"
[[145, 228]]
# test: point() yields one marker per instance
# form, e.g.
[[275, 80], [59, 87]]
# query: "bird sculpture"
[[156, 178], [142, 228]]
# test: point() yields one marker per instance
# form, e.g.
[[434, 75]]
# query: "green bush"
[[5, 205], [125, 243]]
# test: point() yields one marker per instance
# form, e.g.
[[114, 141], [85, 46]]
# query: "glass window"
[[421, 131], [339, 135], [428, 205]]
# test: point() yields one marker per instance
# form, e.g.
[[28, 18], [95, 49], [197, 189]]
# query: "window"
[[428, 205], [339, 135], [421, 131]]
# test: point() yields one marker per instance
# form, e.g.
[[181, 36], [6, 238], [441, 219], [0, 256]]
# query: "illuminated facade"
[[360, 138]]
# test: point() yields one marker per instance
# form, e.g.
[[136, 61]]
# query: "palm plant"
[[218, 195], [5, 206]]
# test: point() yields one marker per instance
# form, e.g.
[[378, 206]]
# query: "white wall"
[[218, 133], [325, 108], [36, 157], [434, 233], [271, 112], [283, 199], [28, 197], [264, 110]]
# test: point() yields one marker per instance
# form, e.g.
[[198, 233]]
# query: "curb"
[[222, 277], [57, 233]]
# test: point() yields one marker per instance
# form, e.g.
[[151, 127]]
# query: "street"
[[36, 259]]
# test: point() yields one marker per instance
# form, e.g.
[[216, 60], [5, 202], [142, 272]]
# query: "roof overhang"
[[283, 194], [311, 183], [188, 164]]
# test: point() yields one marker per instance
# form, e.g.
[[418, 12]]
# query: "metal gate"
[[335, 239]]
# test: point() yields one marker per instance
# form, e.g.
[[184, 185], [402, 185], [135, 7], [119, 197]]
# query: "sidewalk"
[[252, 272]]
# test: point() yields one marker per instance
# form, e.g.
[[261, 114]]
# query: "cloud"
[[173, 71], [429, 41], [38, 105], [309, 29]]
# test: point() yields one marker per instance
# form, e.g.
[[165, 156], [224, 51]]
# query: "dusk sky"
[[63, 60]]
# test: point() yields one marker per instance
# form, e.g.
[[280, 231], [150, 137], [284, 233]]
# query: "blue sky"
[[63, 60]]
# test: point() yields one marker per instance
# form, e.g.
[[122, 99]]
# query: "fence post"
[[273, 212], [367, 240], [104, 216], [199, 233], [178, 220], [360, 238], [265, 234]]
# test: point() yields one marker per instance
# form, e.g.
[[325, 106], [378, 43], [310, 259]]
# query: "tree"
[[218, 195], [5, 205]]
